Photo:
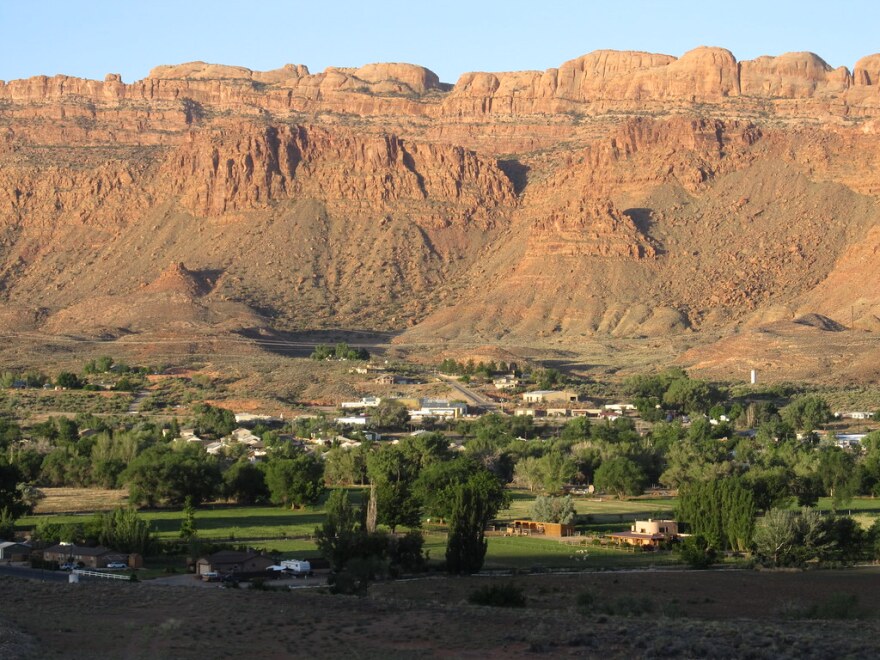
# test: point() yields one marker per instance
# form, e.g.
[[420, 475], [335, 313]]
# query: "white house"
[[439, 408], [857, 414], [354, 420], [620, 407], [365, 402], [251, 418], [506, 382]]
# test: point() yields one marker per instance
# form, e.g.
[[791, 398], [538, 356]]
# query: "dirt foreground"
[[691, 614]]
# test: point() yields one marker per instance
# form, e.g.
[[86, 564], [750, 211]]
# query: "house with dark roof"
[[91, 557], [227, 562]]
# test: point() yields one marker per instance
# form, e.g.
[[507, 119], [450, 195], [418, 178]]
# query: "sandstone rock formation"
[[622, 194]]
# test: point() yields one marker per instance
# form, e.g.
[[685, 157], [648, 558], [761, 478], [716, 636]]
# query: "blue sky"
[[90, 39]]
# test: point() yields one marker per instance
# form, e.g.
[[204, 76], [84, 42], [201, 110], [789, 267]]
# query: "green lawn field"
[[289, 532]]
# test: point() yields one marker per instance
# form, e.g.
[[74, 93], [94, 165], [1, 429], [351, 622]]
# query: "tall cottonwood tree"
[[722, 510], [475, 502]]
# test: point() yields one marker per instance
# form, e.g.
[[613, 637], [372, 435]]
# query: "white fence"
[[108, 576]]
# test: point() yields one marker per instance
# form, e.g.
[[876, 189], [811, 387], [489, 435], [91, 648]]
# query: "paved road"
[[33, 573], [137, 400], [470, 396]]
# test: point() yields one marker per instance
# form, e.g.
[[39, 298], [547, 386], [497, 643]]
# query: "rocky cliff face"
[[231, 170], [411, 100], [622, 193]]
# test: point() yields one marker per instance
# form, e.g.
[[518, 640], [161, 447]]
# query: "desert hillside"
[[621, 195]]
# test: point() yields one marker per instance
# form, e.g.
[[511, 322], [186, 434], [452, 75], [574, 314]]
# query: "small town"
[[472, 330], [578, 477]]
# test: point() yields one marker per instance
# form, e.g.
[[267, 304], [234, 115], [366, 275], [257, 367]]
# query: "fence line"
[[108, 576]]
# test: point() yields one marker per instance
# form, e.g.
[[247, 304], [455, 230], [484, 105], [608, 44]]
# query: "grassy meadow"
[[289, 532]]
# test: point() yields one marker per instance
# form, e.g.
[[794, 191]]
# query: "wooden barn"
[[538, 528]]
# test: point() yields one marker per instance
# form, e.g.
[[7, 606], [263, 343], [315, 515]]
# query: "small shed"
[[12, 551], [539, 528]]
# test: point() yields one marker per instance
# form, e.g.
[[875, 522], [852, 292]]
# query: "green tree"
[[394, 473], [106, 473], [776, 534], [548, 379], [697, 551], [188, 524], [337, 537], [163, 474], [213, 420], [771, 487], [576, 430], [692, 396], [425, 449], [295, 482], [7, 524], [10, 433], [554, 509], [435, 485], [528, 473], [475, 502], [620, 476], [557, 469], [838, 474], [124, 530], [35, 378], [807, 413], [346, 466], [11, 496], [391, 414], [68, 380], [792, 538], [245, 483], [722, 510]]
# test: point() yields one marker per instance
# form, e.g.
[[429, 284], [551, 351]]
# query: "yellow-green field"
[[289, 532]]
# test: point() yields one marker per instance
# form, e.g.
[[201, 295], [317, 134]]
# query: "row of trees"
[[472, 368], [340, 351], [129, 381], [404, 490]]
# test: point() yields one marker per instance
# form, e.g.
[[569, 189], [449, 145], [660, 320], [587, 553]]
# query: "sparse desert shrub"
[[841, 606], [259, 584], [498, 595], [586, 600], [629, 606], [626, 605], [696, 551]]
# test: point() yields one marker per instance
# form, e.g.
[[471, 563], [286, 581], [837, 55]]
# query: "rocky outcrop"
[[617, 79], [246, 168], [792, 76], [867, 71], [205, 71], [588, 228], [410, 101], [177, 279]]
